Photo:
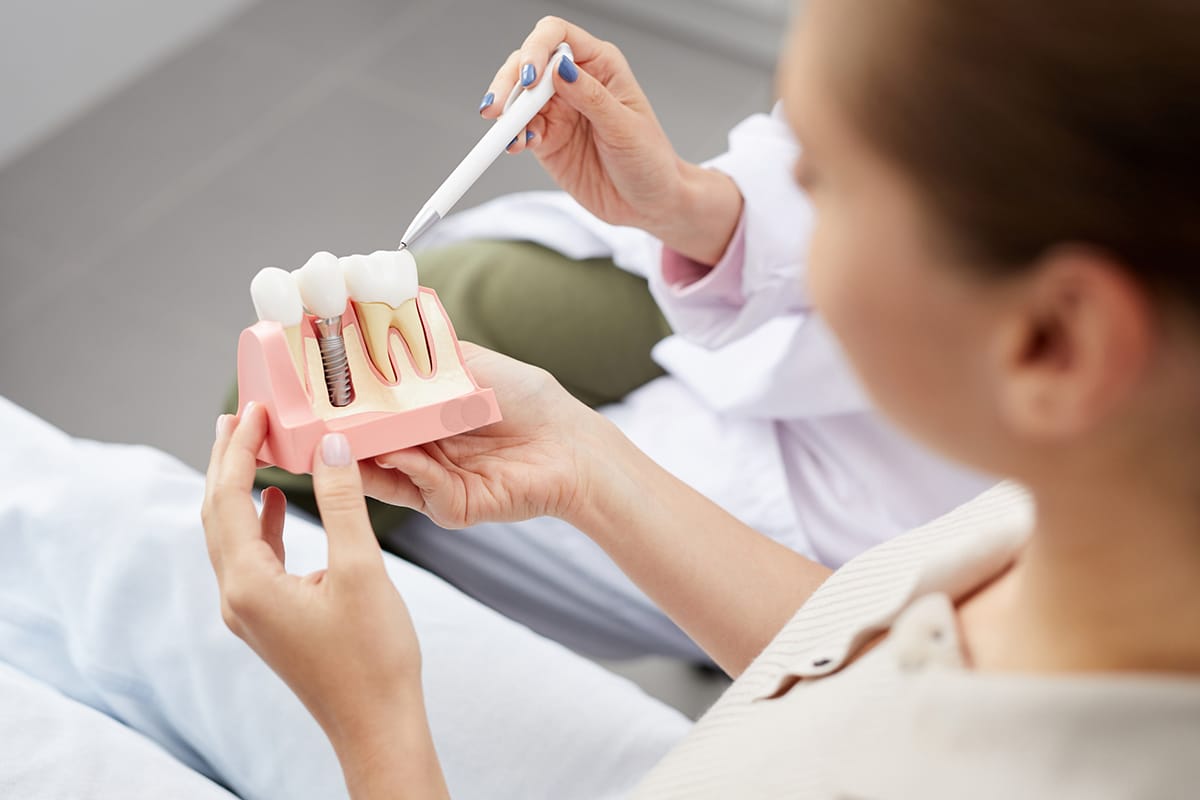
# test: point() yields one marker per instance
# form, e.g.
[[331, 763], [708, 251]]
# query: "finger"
[[549, 32], [519, 142], [501, 86], [271, 519], [390, 486], [239, 460], [429, 477], [412, 461], [535, 132], [224, 423], [339, 490], [208, 514], [536, 49], [233, 518], [583, 92]]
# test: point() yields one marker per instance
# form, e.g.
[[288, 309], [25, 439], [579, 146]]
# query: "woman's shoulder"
[[950, 554]]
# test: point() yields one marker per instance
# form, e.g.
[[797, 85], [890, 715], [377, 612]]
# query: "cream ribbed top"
[[907, 718]]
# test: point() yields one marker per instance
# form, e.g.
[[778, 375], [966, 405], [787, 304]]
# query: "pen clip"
[[563, 50]]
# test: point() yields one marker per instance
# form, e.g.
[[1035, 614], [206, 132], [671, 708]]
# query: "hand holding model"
[[304, 626], [535, 462]]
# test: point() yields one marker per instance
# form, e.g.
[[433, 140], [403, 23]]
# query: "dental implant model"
[[375, 359], [323, 290], [383, 288]]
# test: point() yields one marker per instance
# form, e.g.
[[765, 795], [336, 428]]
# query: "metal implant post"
[[334, 361]]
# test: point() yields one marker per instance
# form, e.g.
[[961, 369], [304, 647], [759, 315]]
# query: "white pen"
[[520, 108]]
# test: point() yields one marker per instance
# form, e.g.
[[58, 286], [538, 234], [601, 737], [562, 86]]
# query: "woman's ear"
[[1078, 336]]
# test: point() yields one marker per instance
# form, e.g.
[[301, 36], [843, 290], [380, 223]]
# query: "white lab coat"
[[756, 374]]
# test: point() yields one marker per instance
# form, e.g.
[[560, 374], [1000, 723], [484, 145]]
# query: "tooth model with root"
[[323, 291], [383, 287], [277, 299]]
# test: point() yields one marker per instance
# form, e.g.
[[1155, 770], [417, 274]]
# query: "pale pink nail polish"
[[335, 450], [222, 421]]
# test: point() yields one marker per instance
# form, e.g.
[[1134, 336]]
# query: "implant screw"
[[334, 361]]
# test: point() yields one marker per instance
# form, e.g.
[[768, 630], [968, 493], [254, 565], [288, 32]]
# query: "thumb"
[[339, 491], [427, 475], [587, 95]]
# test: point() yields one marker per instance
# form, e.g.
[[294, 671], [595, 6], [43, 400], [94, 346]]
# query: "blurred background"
[[154, 154]]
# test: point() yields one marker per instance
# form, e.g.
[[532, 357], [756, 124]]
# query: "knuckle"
[[546, 379], [340, 507], [340, 501], [550, 21], [223, 492], [357, 570], [594, 94], [231, 619], [239, 599]]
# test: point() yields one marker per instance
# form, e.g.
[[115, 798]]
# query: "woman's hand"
[[600, 140], [341, 638], [535, 462], [552, 455]]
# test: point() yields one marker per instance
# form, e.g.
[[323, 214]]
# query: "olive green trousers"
[[589, 323]]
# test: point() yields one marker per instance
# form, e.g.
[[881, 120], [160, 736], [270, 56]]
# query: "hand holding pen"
[[600, 140], [593, 130]]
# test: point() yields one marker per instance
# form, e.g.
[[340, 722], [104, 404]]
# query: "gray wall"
[[748, 30], [60, 57]]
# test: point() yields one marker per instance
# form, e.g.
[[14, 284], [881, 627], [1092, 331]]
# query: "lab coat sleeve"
[[760, 277]]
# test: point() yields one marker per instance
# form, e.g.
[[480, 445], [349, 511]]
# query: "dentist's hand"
[[599, 139], [535, 462], [341, 638]]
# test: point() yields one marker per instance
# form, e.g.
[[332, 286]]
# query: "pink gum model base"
[[267, 375]]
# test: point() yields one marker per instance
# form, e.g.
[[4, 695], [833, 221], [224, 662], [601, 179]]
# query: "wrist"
[[357, 725], [606, 464], [704, 216], [389, 753]]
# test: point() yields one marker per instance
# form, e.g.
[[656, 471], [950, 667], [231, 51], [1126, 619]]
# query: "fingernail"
[[249, 407], [567, 70], [510, 144], [528, 73], [335, 450], [488, 99], [528, 135], [222, 421]]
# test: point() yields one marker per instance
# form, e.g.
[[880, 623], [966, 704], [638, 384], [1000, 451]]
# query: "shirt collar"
[[955, 567]]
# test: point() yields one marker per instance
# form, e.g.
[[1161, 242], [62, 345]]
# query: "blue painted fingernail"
[[566, 69], [528, 135], [528, 73], [488, 99], [510, 144]]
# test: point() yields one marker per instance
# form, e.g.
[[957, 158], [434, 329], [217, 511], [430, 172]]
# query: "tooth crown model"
[[382, 367]]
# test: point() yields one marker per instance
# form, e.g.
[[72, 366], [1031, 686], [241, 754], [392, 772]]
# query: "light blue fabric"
[[106, 595]]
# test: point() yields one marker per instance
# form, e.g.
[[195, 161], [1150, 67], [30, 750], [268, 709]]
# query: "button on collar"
[[925, 635]]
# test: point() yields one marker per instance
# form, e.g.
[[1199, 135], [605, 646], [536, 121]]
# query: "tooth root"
[[295, 340], [407, 320], [375, 319]]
